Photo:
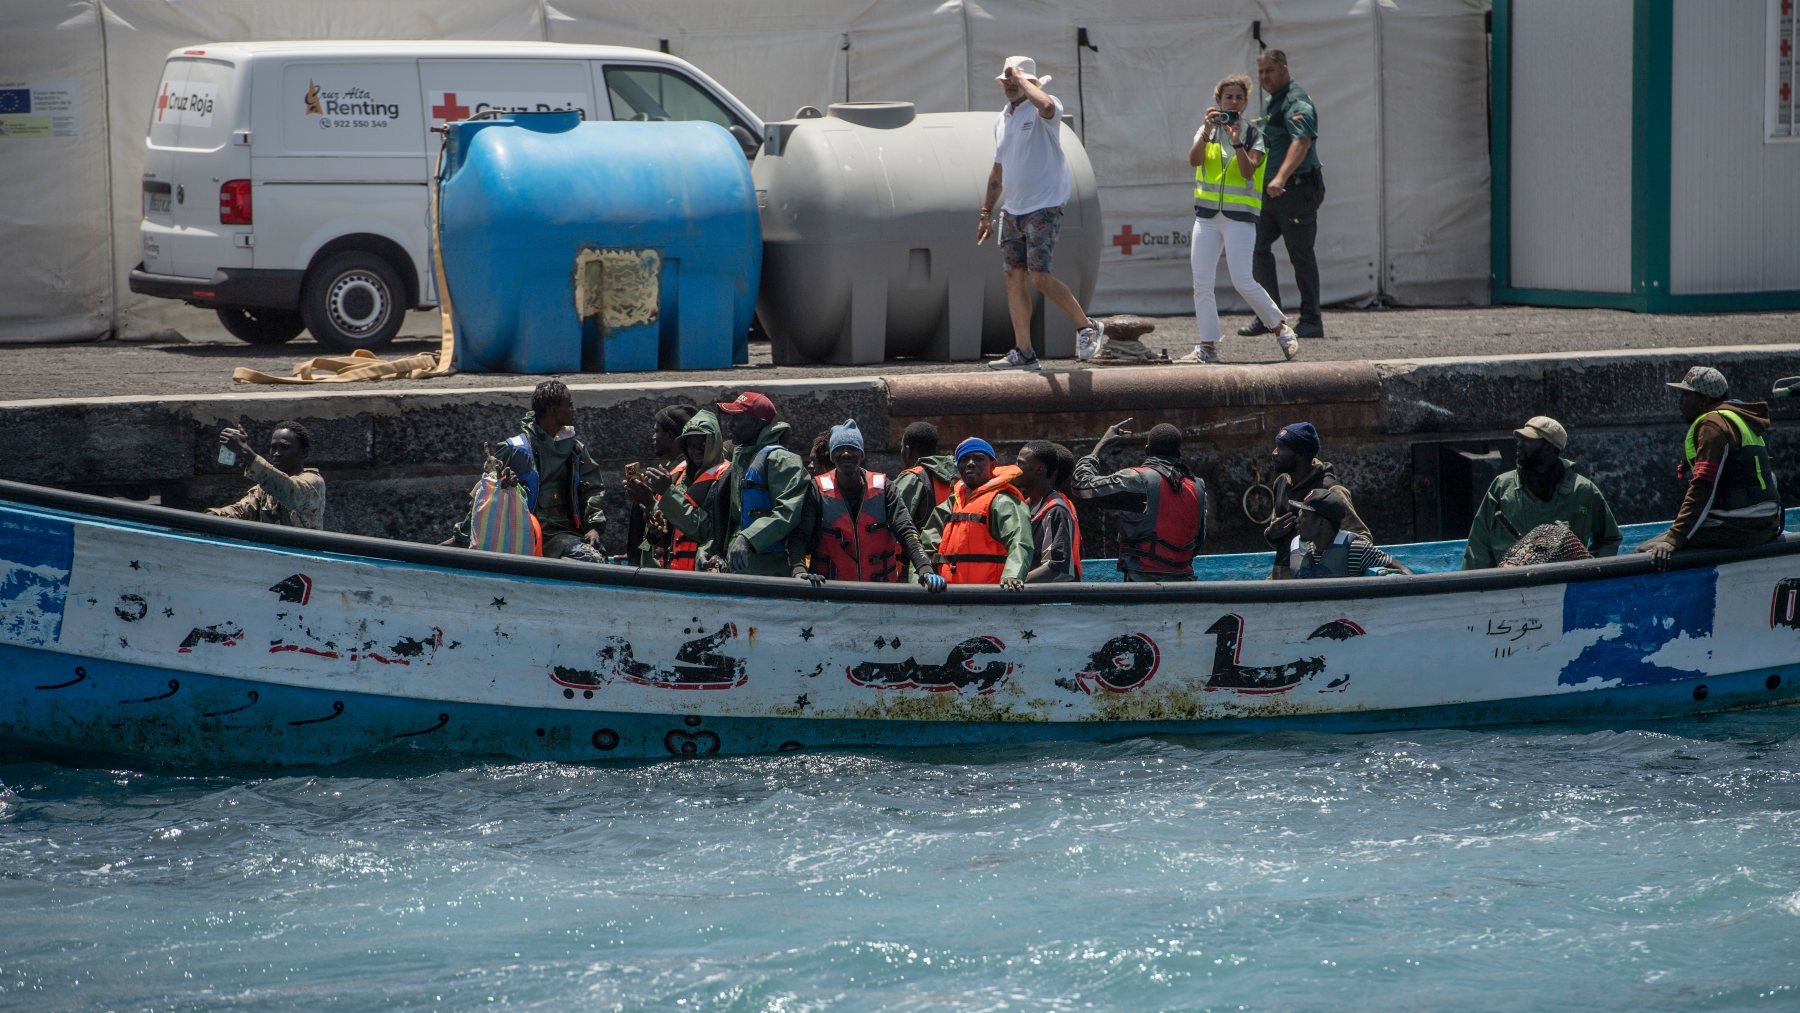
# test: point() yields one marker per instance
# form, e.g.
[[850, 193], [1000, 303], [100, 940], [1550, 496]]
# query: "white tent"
[[1401, 87]]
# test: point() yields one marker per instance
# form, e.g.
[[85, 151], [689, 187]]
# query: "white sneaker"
[[1088, 341], [1207, 355], [1015, 359], [1289, 342]]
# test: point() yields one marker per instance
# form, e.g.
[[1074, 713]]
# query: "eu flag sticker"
[[15, 100]]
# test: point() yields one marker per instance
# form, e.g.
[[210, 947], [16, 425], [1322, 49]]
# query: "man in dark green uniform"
[[1295, 187]]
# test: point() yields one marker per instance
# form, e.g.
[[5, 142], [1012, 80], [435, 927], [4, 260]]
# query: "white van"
[[285, 185]]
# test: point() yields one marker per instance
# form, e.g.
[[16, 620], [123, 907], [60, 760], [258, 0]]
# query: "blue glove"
[[932, 582]]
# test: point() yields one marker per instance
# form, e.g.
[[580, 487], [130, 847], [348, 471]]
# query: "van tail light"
[[234, 202]]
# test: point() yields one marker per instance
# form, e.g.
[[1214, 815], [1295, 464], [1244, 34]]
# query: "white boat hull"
[[191, 640]]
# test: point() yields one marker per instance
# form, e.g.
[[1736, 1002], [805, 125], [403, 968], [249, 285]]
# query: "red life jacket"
[[969, 553], [1164, 539], [859, 546], [683, 549], [1074, 527]]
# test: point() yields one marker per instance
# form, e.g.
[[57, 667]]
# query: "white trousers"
[[1238, 241]]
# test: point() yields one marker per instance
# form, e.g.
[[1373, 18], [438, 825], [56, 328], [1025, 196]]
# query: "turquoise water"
[[1567, 867]]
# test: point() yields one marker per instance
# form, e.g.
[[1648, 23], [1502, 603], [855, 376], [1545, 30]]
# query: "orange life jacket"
[[1074, 527], [859, 546], [940, 489], [1164, 540], [969, 553], [683, 549]]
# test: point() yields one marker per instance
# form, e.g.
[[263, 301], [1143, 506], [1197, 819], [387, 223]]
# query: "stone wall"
[[399, 462]]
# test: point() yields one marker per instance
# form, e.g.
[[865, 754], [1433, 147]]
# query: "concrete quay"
[[1416, 437]]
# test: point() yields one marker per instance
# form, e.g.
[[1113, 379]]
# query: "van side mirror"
[[746, 140]]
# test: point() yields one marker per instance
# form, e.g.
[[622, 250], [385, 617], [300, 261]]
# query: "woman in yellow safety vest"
[[1227, 156]]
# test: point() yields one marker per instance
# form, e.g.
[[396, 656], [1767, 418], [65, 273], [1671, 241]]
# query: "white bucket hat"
[[1026, 66]]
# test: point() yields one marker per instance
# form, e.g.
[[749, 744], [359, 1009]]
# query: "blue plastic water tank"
[[597, 247]]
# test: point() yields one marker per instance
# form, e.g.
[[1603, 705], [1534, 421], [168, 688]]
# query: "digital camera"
[[1225, 117]]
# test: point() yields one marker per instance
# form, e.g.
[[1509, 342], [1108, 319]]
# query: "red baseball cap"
[[752, 402]]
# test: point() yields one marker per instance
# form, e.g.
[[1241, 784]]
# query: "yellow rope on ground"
[[363, 364]]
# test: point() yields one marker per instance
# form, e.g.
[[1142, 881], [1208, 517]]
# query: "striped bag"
[[499, 520]]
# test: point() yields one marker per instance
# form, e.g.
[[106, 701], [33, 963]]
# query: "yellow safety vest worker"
[[1219, 184], [1746, 486]]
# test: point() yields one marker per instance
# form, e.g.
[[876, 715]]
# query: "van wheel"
[[353, 300], [261, 325]]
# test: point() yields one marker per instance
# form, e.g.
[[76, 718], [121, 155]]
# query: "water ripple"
[[1509, 869]]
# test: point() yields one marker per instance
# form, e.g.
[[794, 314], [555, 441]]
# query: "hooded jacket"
[[566, 488], [558, 499], [1730, 486], [705, 521], [787, 480], [916, 491]]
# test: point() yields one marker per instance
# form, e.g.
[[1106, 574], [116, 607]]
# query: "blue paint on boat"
[[1641, 618], [36, 554]]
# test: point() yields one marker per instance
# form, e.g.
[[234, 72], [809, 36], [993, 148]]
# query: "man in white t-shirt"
[[1028, 156]]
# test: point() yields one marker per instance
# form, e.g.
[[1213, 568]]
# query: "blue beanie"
[[846, 435], [974, 445], [1300, 437]]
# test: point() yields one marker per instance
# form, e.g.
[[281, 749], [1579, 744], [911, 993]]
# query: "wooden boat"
[[183, 639]]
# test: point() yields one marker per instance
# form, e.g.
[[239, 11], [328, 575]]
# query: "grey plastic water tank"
[[868, 217]]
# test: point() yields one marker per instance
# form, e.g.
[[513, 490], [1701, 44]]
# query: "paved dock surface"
[[201, 361]]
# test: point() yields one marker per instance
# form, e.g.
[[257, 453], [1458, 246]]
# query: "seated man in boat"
[[982, 533], [1325, 548], [1161, 505], [854, 526], [691, 502], [1543, 488], [286, 490], [561, 479], [1298, 471], [1054, 529], [647, 533], [1730, 500], [768, 487], [925, 475]]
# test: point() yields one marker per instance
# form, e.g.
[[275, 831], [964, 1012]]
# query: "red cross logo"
[[1787, 92], [162, 103], [1787, 49], [1126, 239], [450, 111]]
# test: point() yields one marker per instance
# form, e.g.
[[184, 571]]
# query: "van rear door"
[[164, 137], [201, 100]]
